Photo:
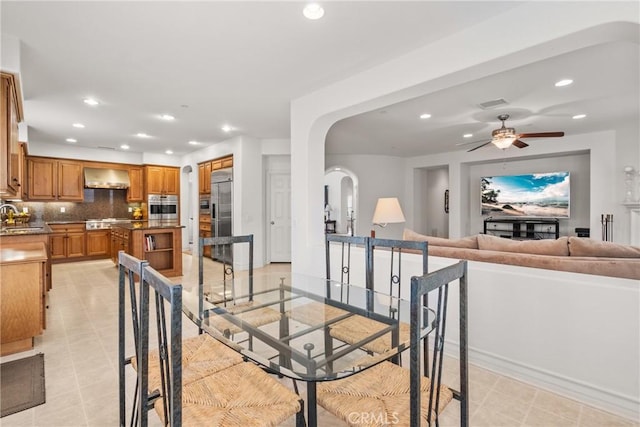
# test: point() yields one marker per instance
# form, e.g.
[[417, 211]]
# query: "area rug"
[[21, 384]]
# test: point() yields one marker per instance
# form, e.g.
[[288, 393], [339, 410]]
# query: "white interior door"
[[279, 221]]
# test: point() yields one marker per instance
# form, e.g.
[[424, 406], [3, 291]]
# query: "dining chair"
[[389, 394], [239, 305], [315, 313], [354, 329], [198, 381]]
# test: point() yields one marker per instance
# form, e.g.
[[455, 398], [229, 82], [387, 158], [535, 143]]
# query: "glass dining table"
[[283, 322]]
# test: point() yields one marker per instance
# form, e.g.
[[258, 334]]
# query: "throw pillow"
[[557, 247], [583, 246], [470, 242]]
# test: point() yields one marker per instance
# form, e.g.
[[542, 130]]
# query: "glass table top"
[[300, 326]]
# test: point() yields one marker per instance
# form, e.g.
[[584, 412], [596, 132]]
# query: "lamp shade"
[[388, 211]]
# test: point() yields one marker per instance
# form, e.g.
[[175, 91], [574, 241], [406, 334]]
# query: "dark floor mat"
[[21, 384]]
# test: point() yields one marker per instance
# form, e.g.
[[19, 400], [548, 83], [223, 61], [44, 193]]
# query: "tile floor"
[[80, 347]]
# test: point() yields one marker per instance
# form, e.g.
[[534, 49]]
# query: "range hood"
[[106, 178]]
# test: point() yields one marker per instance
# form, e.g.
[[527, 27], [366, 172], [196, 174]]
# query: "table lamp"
[[387, 211]]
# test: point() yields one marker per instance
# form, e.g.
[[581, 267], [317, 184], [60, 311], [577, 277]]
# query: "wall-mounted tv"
[[538, 195]]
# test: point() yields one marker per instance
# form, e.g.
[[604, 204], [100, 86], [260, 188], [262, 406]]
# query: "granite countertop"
[[29, 228], [147, 225]]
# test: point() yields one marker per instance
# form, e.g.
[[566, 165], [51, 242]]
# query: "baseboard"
[[607, 400]]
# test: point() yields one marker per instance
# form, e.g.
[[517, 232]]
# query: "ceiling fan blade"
[[479, 146], [541, 135], [519, 144]]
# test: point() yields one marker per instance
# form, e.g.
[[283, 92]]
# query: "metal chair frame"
[[169, 340], [437, 282]]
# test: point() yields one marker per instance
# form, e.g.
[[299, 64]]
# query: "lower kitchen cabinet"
[[67, 242], [23, 268], [98, 243], [119, 242]]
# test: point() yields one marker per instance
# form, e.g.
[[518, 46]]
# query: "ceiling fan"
[[506, 137]]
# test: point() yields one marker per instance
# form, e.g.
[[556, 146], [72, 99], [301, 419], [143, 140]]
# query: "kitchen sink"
[[20, 230]]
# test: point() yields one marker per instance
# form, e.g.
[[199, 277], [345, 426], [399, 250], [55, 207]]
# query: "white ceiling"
[[241, 63]]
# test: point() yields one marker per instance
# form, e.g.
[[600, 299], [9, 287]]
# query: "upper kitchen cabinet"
[[135, 193], [11, 112], [205, 169], [53, 179], [162, 180]]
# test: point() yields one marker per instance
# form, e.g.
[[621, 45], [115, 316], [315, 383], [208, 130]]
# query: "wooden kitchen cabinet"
[[135, 193], [11, 178], [54, 179], [205, 169], [22, 295], [119, 242], [205, 231], [162, 180], [98, 243], [204, 177], [67, 242]]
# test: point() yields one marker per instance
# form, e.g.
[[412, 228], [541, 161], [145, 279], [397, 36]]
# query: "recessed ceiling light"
[[142, 135], [579, 116], [467, 135], [564, 82], [192, 142], [124, 147], [227, 128], [168, 152], [425, 116], [167, 117], [78, 125], [91, 101], [313, 11], [71, 140]]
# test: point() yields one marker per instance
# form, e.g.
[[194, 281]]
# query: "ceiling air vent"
[[106, 148], [493, 104]]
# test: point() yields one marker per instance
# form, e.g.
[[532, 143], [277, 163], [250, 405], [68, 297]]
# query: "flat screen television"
[[536, 195]]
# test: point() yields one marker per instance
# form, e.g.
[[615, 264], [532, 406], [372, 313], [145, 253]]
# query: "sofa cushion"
[[470, 242], [582, 246], [557, 247]]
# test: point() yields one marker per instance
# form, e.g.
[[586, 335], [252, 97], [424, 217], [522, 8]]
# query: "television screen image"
[[537, 195]]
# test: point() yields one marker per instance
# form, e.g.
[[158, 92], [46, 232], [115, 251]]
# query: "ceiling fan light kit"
[[505, 137]]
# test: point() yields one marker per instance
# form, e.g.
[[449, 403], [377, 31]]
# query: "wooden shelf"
[[166, 252]]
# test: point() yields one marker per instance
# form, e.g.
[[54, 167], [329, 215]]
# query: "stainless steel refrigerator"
[[222, 212]]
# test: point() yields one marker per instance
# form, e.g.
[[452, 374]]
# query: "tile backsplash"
[[98, 203]]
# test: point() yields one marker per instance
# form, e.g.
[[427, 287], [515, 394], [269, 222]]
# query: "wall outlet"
[[63, 209], [130, 209], [25, 210]]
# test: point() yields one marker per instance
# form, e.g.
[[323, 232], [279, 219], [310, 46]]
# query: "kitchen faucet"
[[9, 205]]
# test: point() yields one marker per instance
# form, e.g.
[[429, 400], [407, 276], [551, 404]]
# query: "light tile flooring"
[[80, 347]]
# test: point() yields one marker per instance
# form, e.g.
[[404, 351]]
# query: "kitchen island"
[[159, 242], [32, 232], [22, 295]]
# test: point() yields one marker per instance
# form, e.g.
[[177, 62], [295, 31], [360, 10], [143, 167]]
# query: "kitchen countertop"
[[29, 228], [148, 225], [25, 252]]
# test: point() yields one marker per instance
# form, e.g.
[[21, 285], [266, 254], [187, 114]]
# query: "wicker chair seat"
[[201, 357], [379, 396], [315, 313], [258, 317], [356, 328], [242, 395]]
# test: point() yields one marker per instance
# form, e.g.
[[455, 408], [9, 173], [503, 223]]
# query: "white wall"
[[580, 192], [378, 176]]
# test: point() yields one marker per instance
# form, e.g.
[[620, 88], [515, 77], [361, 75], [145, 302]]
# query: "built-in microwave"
[[205, 205]]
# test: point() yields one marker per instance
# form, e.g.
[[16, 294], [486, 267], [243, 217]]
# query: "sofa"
[[572, 254]]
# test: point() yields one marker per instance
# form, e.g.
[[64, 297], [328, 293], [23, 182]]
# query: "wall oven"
[[162, 207]]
